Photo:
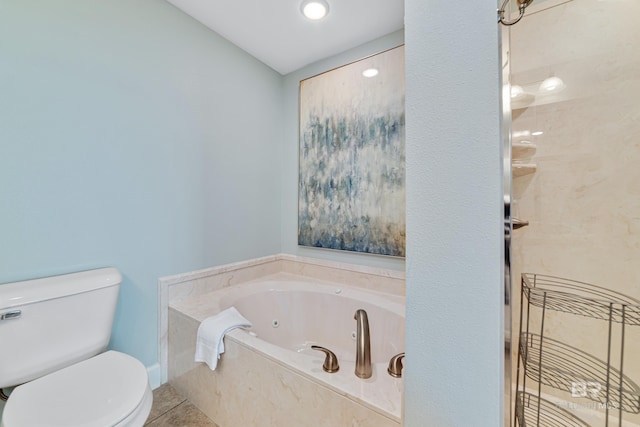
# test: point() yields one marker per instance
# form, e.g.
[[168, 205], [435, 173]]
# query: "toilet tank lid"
[[15, 294]]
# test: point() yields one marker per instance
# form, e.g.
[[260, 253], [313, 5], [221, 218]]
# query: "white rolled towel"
[[209, 342]]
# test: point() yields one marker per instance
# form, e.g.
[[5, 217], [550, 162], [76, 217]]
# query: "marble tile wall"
[[187, 285], [583, 200], [191, 284], [373, 279], [248, 389]]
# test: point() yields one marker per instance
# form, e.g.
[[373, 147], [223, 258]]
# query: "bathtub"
[[272, 366]]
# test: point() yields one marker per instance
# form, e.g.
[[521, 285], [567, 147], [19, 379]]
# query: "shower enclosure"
[[574, 154]]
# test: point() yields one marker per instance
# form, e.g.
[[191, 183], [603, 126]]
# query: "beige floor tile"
[[165, 398], [184, 415]]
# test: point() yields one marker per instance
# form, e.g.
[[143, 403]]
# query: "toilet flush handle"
[[15, 314]]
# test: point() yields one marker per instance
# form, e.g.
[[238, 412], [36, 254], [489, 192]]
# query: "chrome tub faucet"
[[395, 365], [363, 345], [330, 364]]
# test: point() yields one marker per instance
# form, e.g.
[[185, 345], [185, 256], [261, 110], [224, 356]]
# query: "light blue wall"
[[121, 126], [453, 372], [289, 176], [132, 136]]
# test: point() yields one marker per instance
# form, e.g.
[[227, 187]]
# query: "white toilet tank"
[[50, 323]]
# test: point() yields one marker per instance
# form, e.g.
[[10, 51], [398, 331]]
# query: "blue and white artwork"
[[351, 189]]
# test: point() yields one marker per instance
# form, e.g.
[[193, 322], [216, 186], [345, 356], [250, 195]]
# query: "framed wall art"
[[351, 188]]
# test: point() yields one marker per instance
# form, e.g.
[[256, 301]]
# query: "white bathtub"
[[290, 316]]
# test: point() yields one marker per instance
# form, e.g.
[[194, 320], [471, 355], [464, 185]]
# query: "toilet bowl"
[[53, 332], [107, 390]]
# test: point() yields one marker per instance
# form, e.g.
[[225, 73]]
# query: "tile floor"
[[170, 409]]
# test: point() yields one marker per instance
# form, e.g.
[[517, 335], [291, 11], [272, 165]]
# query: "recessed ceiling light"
[[314, 9], [538, 133], [370, 72]]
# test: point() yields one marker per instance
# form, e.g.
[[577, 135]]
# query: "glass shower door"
[[575, 207]]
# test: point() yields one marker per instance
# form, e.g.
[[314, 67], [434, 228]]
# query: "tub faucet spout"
[[363, 345]]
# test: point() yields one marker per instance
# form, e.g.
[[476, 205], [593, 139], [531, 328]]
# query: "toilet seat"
[[110, 389]]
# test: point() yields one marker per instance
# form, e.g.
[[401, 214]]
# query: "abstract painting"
[[351, 189]]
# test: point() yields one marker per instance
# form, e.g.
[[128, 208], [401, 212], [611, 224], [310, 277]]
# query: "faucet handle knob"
[[395, 365], [330, 364]]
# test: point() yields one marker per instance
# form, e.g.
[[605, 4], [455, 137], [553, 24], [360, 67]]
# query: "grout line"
[[149, 421]]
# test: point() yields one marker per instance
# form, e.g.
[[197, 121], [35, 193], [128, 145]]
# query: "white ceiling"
[[276, 32]]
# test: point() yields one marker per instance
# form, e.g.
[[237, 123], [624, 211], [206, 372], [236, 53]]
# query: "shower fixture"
[[522, 5]]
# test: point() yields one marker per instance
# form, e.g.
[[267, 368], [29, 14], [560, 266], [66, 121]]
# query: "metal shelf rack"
[[552, 363], [585, 299], [532, 410], [561, 365]]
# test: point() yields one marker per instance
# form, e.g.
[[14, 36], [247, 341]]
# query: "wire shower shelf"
[[580, 298], [555, 364], [534, 411], [562, 366]]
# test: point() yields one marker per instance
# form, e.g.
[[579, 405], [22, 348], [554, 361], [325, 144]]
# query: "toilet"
[[54, 332]]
